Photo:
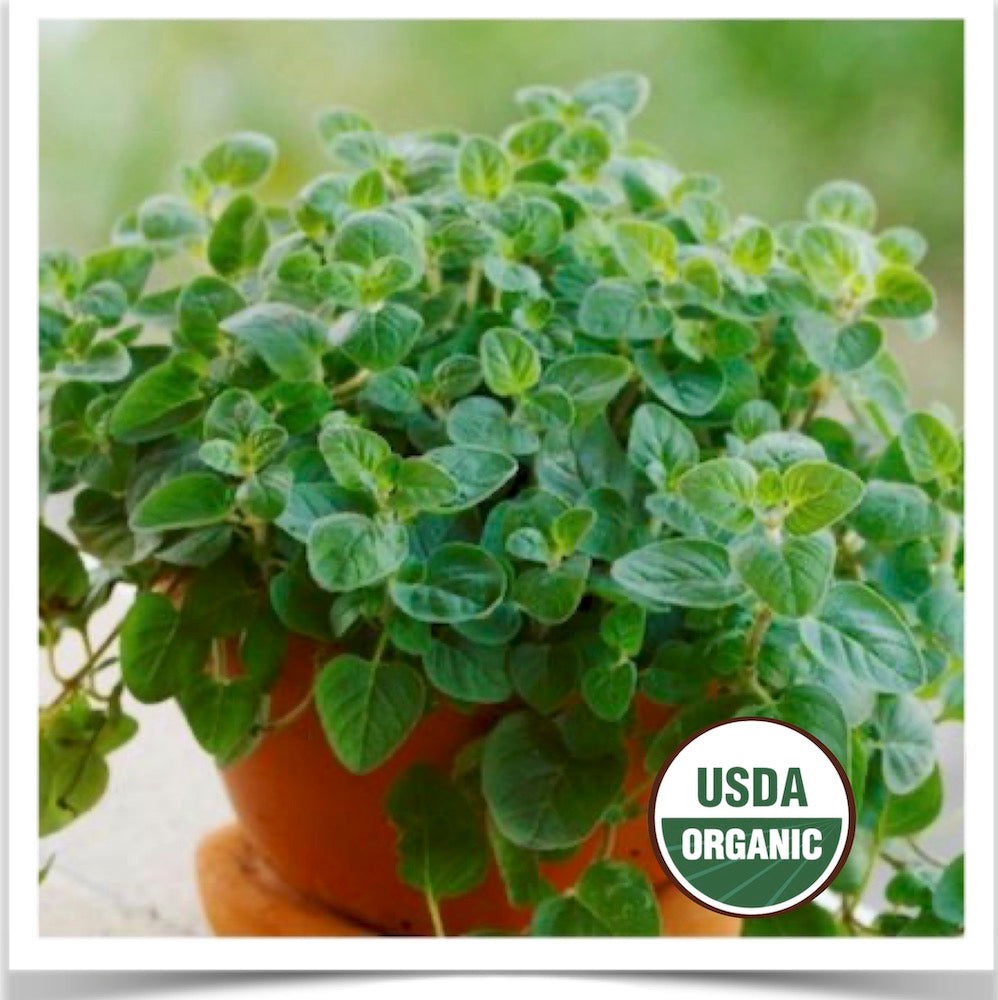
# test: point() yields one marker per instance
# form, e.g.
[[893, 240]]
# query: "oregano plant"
[[533, 422]]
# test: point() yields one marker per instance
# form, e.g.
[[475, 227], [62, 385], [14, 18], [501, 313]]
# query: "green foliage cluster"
[[532, 423]]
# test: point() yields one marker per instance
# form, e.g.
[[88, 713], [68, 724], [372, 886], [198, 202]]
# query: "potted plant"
[[458, 491]]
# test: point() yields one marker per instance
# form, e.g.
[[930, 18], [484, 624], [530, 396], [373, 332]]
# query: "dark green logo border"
[[850, 831]]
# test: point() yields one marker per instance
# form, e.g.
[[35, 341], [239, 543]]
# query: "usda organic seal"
[[752, 817]]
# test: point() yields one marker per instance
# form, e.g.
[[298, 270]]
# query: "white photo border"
[[27, 950]]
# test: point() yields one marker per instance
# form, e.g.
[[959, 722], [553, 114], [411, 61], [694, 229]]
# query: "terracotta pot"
[[325, 832]]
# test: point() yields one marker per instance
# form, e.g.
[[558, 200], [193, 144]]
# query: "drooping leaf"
[[191, 500], [539, 795], [789, 575], [612, 899], [441, 842], [858, 631], [367, 710], [158, 655]]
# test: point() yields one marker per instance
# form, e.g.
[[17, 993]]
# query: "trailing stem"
[[760, 625], [434, 911]]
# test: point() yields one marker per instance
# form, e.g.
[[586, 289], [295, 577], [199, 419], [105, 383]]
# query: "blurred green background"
[[774, 108]]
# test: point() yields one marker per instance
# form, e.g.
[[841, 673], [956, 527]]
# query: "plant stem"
[[379, 648], [924, 855], [474, 283], [818, 396], [291, 715], [435, 918], [351, 384], [71, 683], [609, 840], [760, 625]]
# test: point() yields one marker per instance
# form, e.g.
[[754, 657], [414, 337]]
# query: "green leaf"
[[817, 712], [468, 671], [240, 160], [190, 500], [723, 491], [165, 218], [647, 250], [892, 512], [551, 596], [660, 444], [380, 339], [690, 388], [940, 610], [367, 710], [441, 845], [539, 795], [482, 168], [612, 899], [590, 380], [524, 883], [498, 628], [459, 582], [781, 449], [264, 648], [809, 920], [901, 294], [830, 256], [857, 631], [477, 472], [128, 267], [510, 363], [234, 414], [908, 814], [161, 400], [818, 494], [623, 628], [931, 450], [456, 376], [789, 575], [222, 715], [481, 421], [902, 245], [608, 689], [570, 527], [844, 202], [370, 239], [543, 675], [201, 307], [288, 340], [856, 345], [904, 725], [264, 495], [947, 897], [239, 238], [753, 250], [421, 485], [105, 302], [679, 572], [62, 577], [158, 655], [299, 603], [354, 455], [348, 551], [754, 418], [625, 91]]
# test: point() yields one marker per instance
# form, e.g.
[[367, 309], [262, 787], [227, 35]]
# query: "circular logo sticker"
[[752, 817]]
